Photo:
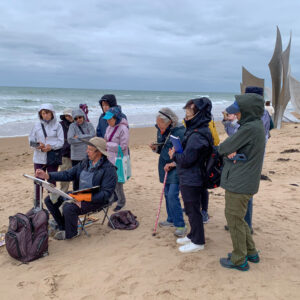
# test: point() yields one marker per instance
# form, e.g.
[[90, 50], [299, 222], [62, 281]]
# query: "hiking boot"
[[180, 231], [227, 263], [205, 216], [165, 224], [118, 207], [252, 258], [60, 235], [183, 241], [190, 247]]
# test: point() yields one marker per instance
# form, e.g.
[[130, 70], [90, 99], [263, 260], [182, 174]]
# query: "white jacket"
[[55, 135]]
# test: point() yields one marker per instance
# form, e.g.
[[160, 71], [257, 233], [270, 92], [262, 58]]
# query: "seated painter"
[[95, 170]]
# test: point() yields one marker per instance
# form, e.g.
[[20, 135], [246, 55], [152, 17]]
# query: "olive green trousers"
[[235, 211]]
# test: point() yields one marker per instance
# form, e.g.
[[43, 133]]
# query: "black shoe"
[[252, 258], [227, 263], [118, 207]]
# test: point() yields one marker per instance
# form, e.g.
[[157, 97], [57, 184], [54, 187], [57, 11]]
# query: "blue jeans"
[[173, 205], [248, 217]]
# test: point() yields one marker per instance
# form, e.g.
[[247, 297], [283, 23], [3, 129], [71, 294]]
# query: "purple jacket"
[[120, 137]]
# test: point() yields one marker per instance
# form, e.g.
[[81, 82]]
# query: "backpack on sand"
[[27, 235], [124, 219]]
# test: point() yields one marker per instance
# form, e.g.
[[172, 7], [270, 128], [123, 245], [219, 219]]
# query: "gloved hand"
[[82, 197]]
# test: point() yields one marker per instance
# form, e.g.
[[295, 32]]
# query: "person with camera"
[[46, 135]]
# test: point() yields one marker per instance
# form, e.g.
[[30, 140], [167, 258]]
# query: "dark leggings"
[[204, 200], [192, 201]]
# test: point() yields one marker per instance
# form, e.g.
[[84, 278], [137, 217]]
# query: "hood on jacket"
[[78, 113], [116, 113], [203, 116], [110, 99], [251, 107], [47, 106]]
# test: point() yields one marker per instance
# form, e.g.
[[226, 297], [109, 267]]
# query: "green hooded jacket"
[[243, 177]]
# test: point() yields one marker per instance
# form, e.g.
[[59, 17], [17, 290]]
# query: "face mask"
[[234, 122]]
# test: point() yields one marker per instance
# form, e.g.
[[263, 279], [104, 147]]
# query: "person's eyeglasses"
[[80, 117]]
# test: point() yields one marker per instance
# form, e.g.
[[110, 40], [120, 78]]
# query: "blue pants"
[[248, 217], [173, 205]]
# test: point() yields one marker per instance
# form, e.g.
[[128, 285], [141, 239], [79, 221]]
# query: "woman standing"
[[80, 129], [46, 135], [167, 124], [197, 145], [117, 134]]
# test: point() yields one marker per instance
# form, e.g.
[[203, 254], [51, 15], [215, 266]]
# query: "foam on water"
[[19, 106]]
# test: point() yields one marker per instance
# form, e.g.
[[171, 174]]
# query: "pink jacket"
[[121, 137]]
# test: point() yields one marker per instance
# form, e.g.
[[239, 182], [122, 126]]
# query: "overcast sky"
[[143, 45]]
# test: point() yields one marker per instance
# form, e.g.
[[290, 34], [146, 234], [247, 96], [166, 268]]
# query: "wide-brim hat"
[[98, 143]]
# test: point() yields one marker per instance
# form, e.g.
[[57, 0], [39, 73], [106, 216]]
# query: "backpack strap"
[[81, 129], [113, 133], [44, 130]]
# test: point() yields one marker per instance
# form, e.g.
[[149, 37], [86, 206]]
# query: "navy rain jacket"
[[105, 176], [196, 147], [102, 123]]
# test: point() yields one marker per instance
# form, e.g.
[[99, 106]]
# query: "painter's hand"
[[171, 152], [41, 174]]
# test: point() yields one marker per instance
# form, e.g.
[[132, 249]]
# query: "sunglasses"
[[80, 117]]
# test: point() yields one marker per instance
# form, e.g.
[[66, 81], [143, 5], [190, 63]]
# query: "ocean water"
[[19, 105]]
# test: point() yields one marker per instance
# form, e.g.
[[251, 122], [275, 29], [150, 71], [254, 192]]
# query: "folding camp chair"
[[105, 209]]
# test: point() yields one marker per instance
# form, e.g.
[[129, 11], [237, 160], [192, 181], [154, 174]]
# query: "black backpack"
[[213, 165], [27, 235]]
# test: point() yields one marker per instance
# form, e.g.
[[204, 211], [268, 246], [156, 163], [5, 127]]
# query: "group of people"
[[70, 142], [247, 123], [182, 172]]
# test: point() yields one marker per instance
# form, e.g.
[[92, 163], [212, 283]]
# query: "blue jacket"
[[105, 176], [196, 144], [164, 153]]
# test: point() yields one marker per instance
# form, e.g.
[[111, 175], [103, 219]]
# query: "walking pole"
[[161, 197]]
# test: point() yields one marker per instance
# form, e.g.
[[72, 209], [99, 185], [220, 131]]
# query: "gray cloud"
[[168, 45]]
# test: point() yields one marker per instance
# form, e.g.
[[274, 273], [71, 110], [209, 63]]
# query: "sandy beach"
[[113, 264]]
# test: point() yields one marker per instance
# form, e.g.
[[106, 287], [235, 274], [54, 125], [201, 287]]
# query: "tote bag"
[[123, 166]]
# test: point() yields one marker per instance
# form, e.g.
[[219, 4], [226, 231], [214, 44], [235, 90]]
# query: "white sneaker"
[[190, 247], [183, 241]]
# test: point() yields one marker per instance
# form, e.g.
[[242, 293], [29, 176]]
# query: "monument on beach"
[[280, 70], [249, 79]]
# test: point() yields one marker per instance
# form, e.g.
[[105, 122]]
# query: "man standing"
[[96, 170], [240, 178]]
